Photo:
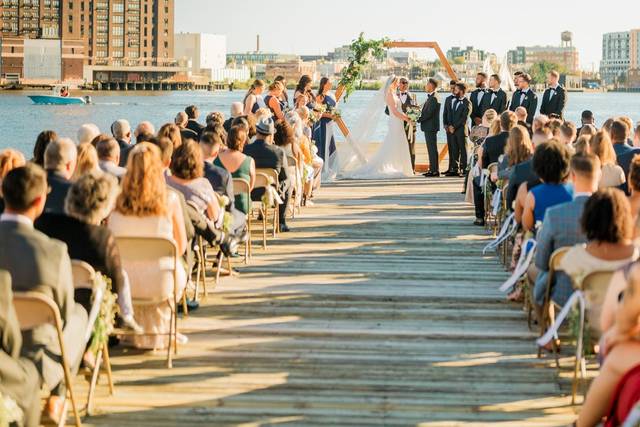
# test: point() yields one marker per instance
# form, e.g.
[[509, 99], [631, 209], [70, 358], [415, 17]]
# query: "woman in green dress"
[[238, 164]]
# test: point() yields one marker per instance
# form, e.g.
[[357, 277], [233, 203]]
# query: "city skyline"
[[276, 25]]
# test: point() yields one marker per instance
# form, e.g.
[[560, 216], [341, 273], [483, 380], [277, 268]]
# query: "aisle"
[[378, 310]]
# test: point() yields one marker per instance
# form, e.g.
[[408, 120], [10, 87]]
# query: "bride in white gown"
[[392, 160]]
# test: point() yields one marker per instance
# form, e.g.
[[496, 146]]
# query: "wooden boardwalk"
[[379, 309]]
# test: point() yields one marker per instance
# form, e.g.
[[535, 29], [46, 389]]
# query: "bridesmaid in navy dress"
[[272, 100], [303, 96], [320, 132]]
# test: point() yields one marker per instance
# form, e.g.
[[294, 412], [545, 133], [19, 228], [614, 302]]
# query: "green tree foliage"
[[362, 52], [539, 71]]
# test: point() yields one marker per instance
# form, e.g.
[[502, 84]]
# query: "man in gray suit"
[[40, 264], [562, 227], [19, 378]]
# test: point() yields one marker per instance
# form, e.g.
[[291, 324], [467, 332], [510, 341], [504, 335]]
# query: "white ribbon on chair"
[[552, 332], [507, 230], [484, 174], [496, 201], [526, 256]]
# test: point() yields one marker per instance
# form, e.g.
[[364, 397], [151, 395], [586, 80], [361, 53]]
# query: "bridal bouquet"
[[414, 112]]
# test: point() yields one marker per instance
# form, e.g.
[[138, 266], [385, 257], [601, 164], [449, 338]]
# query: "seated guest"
[[145, 208], [267, 155], [60, 163], [523, 117], [587, 130], [622, 349], [220, 179], [238, 164], [551, 165], [518, 150], [612, 174], [586, 119], [144, 131], [40, 264], [42, 142], [624, 153], [636, 136], [87, 132], [172, 133], [214, 119], [568, 135], [521, 173], [606, 126], [607, 224], [540, 136], [582, 146], [181, 121], [187, 176], [311, 167], [109, 158], [89, 202], [87, 160], [20, 379], [250, 122], [9, 160], [192, 114], [539, 122], [629, 123], [561, 226], [634, 188], [490, 152], [121, 131], [236, 111]]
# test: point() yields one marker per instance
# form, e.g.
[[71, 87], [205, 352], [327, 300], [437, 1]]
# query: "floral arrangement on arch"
[[363, 52]]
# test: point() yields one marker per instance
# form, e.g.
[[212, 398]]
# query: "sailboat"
[[505, 76]]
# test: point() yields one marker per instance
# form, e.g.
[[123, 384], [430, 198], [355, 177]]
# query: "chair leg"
[[107, 365], [95, 375], [185, 309], [203, 265], [264, 229], [249, 241], [74, 406], [219, 267]]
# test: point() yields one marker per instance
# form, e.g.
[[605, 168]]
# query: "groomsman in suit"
[[554, 98], [478, 99], [458, 117], [430, 125], [496, 97], [525, 97], [446, 115]]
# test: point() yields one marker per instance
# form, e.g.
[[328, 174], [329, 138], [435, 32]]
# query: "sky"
[[309, 27]]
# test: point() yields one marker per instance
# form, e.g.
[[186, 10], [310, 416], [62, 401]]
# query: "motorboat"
[[59, 96]]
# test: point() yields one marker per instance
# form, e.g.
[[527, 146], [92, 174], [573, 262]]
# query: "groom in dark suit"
[[554, 98], [408, 100], [446, 116], [430, 125]]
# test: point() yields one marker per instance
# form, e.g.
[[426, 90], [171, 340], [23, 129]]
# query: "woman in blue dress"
[[320, 131]]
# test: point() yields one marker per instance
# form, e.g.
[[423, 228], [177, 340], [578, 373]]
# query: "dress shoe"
[[451, 173], [192, 305], [284, 228], [479, 222]]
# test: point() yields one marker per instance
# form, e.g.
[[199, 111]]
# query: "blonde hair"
[[494, 127], [87, 160], [9, 160], [602, 147], [519, 147], [489, 116], [276, 86], [262, 112], [144, 191], [172, 133], [582, 145]]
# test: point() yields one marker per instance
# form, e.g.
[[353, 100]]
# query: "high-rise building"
[[616, 56], [566, 55], [91, 32]]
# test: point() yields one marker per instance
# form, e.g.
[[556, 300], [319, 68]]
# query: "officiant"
[[408, 100]]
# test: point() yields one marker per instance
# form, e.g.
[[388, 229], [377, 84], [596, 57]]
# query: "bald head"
[[121, 130], [144, 128], [61, 156], [87, 132], [181, 119]]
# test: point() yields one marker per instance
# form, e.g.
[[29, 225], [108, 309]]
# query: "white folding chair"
[[242, 186], [273, 175], [142, 249], [35, 309], [84, 277]]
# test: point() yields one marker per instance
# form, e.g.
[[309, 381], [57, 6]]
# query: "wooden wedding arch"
[[411, 45]]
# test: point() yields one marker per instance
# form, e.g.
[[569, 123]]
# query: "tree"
[[459, 60], [539, 71]]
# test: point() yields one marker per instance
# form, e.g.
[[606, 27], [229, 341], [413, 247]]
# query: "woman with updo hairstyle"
[[272, 100], [253, 99], [238, 164], [145, 208], [172, 133], [303, 96]]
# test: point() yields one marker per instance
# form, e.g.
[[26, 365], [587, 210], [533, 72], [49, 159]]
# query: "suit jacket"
[[59, 188], [220, 180], [446, 114], [530, 103], [520, 173], [125, 147], [430, 117], [497, 102], [188, 134], [196, 127], [553, 105], [19, 378], [460, 116], [624, 156], [494, 148], [478, 107], [270, 156], [90, 243], [405, 105]]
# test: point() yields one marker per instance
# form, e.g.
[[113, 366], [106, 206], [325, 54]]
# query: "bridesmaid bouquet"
[[414, 112], [335, 112]]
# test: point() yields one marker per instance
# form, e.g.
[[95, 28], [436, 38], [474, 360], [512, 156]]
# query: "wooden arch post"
[[403, 44]]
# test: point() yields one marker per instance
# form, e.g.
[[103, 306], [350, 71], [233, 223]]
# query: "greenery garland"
[[363, 51]]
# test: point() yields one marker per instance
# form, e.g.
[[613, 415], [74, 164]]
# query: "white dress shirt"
[[523, 95], [21, 219]]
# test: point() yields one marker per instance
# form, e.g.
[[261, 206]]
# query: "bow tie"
[[403, 93]]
